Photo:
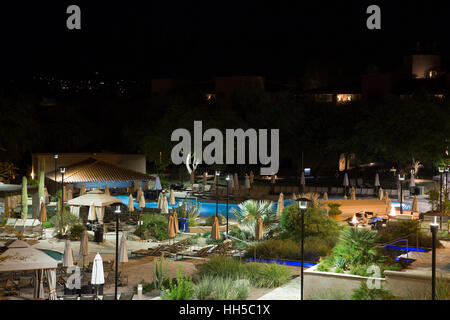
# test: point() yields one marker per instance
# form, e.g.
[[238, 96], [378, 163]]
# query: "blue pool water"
[[58, 256], [209, 208], [285, 262]]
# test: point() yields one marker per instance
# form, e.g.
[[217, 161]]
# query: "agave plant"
[[188, 210], [313, 197], [249, 211]]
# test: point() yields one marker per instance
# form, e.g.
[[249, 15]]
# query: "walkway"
[[289, 291]]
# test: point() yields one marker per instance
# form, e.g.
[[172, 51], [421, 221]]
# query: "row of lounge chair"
[[107, 296], [169, 249], [222, 249]]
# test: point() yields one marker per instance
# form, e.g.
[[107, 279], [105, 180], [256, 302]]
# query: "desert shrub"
[[222, 288], [192, 222], [259, 275], [240, 233], [188, 210], [146, 287], [76, 231], [314, 248], [442, 291], [182, 290], [63, 221], [153, 226], [317, 224], [364, 293], [401, 228]]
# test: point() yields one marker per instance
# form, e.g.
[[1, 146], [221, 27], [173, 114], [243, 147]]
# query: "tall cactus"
[[24, 198], [42, 180], [159, 275]]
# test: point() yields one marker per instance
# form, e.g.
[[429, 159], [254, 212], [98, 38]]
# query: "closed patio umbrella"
[[280, 204], [415, 205], [231, 182], [345, 182], [215, 229], [51, 279], [175, 221], [43, 212], [302, 180], [107, 190], [91, 214], [386, 195], [205, 181], [82, 190], [84, 245], [272, 179], [353, 194], [98, 276], [247, 182], [412, 182], [325, 196], [380, 193], [170, 228], [142, 202], [123, 253], [68, 254], [192, 178], [259, 229], [130, 203], [157, 186], [236, 181], [164, 205], [172, 198], [160, 200], [252, 177], [377, 180]]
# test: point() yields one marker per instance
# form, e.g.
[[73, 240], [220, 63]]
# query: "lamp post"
[[56, 162], [441, 171], [228, 198], [117, 212], [401, 178], [302, 205], [62, 170], [447, 168], [217, 193], [140, 222], [434, 228]]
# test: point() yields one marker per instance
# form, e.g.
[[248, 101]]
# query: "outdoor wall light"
[[401, 177], [447, 168], [217, 173], [55, 156], [62, 170], [118, 210], [227, 178], [441, 169]]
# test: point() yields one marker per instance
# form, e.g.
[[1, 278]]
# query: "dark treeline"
[[387, 129]]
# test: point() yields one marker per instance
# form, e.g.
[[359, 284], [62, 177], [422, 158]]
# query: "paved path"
[[289, 291]]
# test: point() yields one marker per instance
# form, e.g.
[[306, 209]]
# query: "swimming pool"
[[58, 256], [209, 208]]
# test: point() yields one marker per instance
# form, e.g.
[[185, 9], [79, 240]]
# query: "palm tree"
[[250, 210]]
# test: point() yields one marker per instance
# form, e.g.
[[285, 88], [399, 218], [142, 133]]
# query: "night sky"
[[204, 38]]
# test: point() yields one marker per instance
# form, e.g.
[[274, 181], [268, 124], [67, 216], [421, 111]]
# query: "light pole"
[[447, 168], [217, 193], [401, 178], [302, 205], [62, 170], [227, 182], [434, 228], [117, 212], [441, 171], [56, 162]]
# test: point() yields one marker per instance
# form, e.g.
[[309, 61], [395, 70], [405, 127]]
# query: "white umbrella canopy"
[[172, 198], [98, 276], [91, 214], [130, 203], [377, 180], [247, 182], [252, 177], [96, 196], [51, 279], [157, 185], [123, 254], [412, 182], [68, 254]]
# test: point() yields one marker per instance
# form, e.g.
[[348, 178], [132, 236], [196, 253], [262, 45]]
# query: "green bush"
[[63, 221], [182, 290], [76, 231], [221, 288], [397, 229], [192, 222], [239, 233], [47, 224], [328, 294], [146, 287], [317, 224], [334, 209], [259, 275], [364, 293], [153, 226], [289, 250]]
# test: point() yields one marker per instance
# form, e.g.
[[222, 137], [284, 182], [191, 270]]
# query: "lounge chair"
[[221, 248], [87, 297], [126, 295], [197, 254], [150, 251], [109, 296], [70, 297]]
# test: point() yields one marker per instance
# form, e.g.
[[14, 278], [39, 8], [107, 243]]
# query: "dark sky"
[[197, 38]]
